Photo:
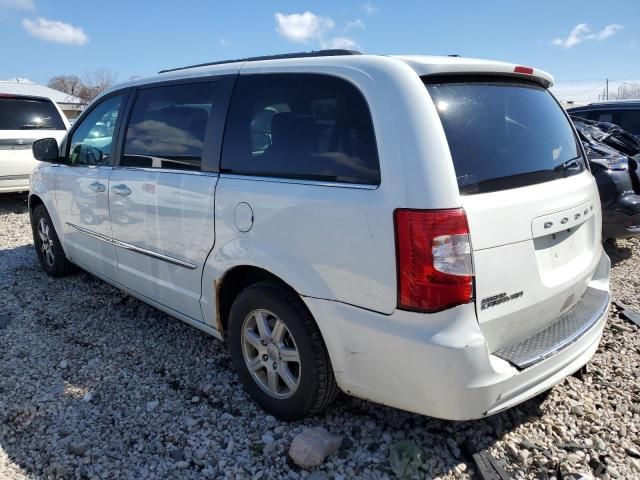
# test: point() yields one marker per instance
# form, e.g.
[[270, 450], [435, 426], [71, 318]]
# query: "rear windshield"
[[29, 114], [504, 133]]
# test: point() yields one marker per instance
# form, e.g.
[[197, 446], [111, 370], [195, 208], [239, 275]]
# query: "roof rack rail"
[[316, 53]]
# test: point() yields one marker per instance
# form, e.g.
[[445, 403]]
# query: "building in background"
[[70, 104]]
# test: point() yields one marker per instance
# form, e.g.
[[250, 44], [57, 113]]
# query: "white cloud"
[[306, 27], [370, 8], [341, 43], [608, 31], [55, 31], [354, 24], [17, 4], [302, 27], [223, 42], [582, 32]]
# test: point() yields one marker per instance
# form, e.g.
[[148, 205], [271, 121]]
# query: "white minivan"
[[23, 119], [422, 232]]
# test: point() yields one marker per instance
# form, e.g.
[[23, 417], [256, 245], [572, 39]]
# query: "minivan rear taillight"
[[435, 269]]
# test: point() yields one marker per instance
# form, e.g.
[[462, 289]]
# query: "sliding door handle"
[[121, 189], [97, 187]]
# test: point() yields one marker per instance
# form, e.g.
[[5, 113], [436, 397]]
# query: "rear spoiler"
[[464, 66]]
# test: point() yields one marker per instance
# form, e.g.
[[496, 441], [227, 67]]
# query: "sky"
[[581, 43]]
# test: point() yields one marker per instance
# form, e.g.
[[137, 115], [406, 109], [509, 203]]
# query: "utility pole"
[[607, 89]]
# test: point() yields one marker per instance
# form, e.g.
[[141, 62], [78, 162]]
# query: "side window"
[[92, 140], [304, 126], [629, 120], [167, 126]]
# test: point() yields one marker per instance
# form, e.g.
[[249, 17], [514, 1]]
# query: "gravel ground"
[[96, 384]]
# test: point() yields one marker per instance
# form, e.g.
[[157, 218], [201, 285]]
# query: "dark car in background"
[[624, 113], [613, 156]]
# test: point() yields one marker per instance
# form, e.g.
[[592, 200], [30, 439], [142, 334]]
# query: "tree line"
[[86, 88], [628, 91]]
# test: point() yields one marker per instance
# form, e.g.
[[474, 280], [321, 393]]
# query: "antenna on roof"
[[317, 53]]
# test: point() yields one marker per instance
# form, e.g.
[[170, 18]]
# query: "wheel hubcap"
[[46, 241], [271, 354]]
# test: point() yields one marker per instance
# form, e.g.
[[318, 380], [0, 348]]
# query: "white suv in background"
[[23, 119], [418, 231]]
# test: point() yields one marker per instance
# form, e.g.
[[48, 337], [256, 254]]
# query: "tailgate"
[[532, 206], [535, 264], [16, 157]]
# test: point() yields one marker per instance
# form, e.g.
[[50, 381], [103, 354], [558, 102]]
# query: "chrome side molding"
[[133, 248]]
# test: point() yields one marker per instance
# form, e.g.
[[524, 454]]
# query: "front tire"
[[279, 353], [50, 253]]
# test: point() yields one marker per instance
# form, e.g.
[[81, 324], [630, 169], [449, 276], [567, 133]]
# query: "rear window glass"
[[303, 126], [29, 114], [504, 134]]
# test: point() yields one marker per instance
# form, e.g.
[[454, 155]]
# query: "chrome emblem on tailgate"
[[498, 299]]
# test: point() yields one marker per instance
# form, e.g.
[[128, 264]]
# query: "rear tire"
[[50, 253], [291, 375]]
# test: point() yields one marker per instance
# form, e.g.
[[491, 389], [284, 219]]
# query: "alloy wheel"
[[46, 241], [271, 354]]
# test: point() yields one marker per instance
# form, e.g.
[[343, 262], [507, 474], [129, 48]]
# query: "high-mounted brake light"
[[435, 269], [525, 70]]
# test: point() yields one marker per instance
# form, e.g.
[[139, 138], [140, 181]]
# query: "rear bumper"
[[621, 217], [439, 365], [14, 183], [568, 328]]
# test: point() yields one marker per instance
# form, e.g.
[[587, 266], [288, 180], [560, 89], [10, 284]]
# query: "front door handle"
[[97, 187], [121, 189]]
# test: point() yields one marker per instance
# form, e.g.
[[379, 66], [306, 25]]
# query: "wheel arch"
[[234, 281], [33, 202], [45, 199]]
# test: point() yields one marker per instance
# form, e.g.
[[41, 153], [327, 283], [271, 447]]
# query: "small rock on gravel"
[[200, 453], [177, 454], [310, 447], [77, 449]]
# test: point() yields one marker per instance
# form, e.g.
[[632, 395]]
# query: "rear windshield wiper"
[[568, 166]]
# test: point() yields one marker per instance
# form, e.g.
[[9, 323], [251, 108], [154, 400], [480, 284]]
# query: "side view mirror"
[[46, 150]]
